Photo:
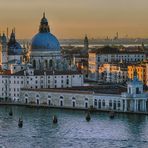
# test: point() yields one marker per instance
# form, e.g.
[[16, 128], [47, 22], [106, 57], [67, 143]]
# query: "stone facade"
[[134, 100]]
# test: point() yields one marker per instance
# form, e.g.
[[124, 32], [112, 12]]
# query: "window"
[[49, 102], [61, 97], [110, 103], [61, 102], [37, 101], [137, 91], [73, 103], [114, 104], [95, 102], [118, 103], [86, 104]]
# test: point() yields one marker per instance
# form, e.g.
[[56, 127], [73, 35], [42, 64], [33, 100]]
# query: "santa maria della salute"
[[43, 76]]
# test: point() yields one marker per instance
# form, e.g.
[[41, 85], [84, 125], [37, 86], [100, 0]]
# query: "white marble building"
[[11, 84], [134, 100]]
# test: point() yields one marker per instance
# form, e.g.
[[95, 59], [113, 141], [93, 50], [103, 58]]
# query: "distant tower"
[[143, 47], [86, 43], [117, 35], [4, 55]]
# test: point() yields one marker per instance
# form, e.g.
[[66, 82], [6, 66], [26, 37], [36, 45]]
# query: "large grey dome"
[[44, 40]]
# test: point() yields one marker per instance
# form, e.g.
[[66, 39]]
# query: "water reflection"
[[72, 129]]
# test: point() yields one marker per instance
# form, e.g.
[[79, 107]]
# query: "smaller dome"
[[3, 38], [14, 48]]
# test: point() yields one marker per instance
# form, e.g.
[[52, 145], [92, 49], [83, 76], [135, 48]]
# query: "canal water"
[[72, 130]]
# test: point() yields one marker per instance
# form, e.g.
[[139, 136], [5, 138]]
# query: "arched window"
[[95, 102], [37, 101], [99, 104], [50, 63], [110, 103], [61, 103], [119, 104], [115, 105], [26, 100], [46, 64], [61, 97], [73, 102], [49, 97], [34, 64], [86, 99], [49, 102], [103, 103]]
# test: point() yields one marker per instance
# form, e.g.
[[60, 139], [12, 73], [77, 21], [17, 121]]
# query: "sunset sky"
[[75, 18]]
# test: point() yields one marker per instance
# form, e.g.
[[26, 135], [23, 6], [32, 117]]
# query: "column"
[[135, 105], [121, 105], [112, 104], [143, 105], [125, 107]]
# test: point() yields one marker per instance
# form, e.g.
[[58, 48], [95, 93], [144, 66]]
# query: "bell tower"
[[4, 52], [86, 43]]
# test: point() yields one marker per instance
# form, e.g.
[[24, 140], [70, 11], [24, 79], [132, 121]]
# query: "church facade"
[[46, 67]]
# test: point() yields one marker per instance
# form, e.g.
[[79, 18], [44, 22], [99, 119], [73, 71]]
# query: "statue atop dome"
[[44, 27]]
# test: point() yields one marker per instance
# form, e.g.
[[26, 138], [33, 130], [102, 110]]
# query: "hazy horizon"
[[74, 19]]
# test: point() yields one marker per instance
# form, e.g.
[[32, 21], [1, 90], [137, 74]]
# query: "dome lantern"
[[44, 27]]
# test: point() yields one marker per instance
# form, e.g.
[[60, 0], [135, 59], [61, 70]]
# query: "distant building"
[[112, 73], [108, 55], [142, 72]]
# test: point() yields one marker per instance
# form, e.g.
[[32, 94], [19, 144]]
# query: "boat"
[[20, 123], [111, 114], [88, 117], [55, 119]]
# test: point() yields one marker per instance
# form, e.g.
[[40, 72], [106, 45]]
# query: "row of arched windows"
[[46, 63], [61, 100], [114, 104]]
